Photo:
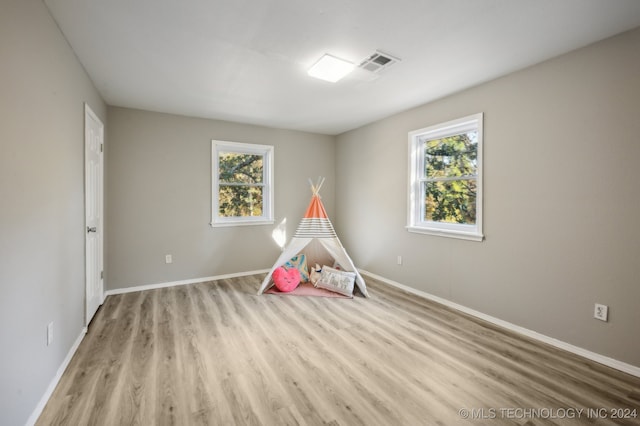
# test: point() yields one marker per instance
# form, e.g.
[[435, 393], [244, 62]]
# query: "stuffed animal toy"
[[286, 280], [314, 276]]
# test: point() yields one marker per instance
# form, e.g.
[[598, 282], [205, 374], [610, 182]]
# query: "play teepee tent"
[[316, 238]]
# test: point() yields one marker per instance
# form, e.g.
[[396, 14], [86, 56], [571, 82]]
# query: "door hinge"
[[101, 275], [101, 147]]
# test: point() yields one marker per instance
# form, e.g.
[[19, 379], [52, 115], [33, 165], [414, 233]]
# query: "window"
[[242, 184], [445, 179]]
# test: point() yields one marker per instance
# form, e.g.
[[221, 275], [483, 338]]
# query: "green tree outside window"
[[241, 184], [450, 178]]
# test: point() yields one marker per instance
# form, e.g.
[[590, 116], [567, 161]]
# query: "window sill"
[[446, 233], [241, 223]]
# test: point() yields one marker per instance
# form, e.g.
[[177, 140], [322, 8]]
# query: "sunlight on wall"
[[279, 234]]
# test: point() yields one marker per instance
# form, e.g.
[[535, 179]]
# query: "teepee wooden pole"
[[315, 189], [319, 185]]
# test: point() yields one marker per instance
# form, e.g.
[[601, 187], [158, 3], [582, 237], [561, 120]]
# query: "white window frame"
[[266, 151], [415, 222]]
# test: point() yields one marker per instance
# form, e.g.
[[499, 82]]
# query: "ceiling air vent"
[[378, 62]]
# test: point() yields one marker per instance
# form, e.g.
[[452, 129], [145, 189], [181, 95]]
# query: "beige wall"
[[159, 196], [562, 143], [42, 93]]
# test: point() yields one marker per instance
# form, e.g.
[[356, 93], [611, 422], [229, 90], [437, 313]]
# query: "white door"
[[93, 192]]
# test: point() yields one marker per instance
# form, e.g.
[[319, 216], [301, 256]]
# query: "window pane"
[[240, 168], [450, 201], [452, 156], [240, 201]]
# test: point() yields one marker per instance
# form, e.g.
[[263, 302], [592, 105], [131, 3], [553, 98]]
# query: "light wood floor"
[[216, 354]]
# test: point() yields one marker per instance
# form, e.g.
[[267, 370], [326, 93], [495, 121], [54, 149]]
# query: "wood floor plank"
[[278, 359], [215, 353]]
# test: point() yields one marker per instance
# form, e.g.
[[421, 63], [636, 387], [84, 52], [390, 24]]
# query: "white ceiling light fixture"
[[330, 68]]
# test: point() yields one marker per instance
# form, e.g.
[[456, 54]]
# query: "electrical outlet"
[[49, 333], [168, 259], [601, 312], [399, 260]]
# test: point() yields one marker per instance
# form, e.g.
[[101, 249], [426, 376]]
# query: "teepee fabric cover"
[[316, 238]]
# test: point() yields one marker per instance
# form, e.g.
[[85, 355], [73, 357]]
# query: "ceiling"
[[246, 60]]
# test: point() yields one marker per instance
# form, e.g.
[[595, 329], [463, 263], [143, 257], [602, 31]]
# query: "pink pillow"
[[286, 280]]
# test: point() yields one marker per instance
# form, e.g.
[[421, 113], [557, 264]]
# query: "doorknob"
[[92, 229]]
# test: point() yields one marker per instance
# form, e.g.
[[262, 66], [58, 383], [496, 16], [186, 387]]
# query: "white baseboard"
[[54, 382], [609, 362], [182, 282]]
